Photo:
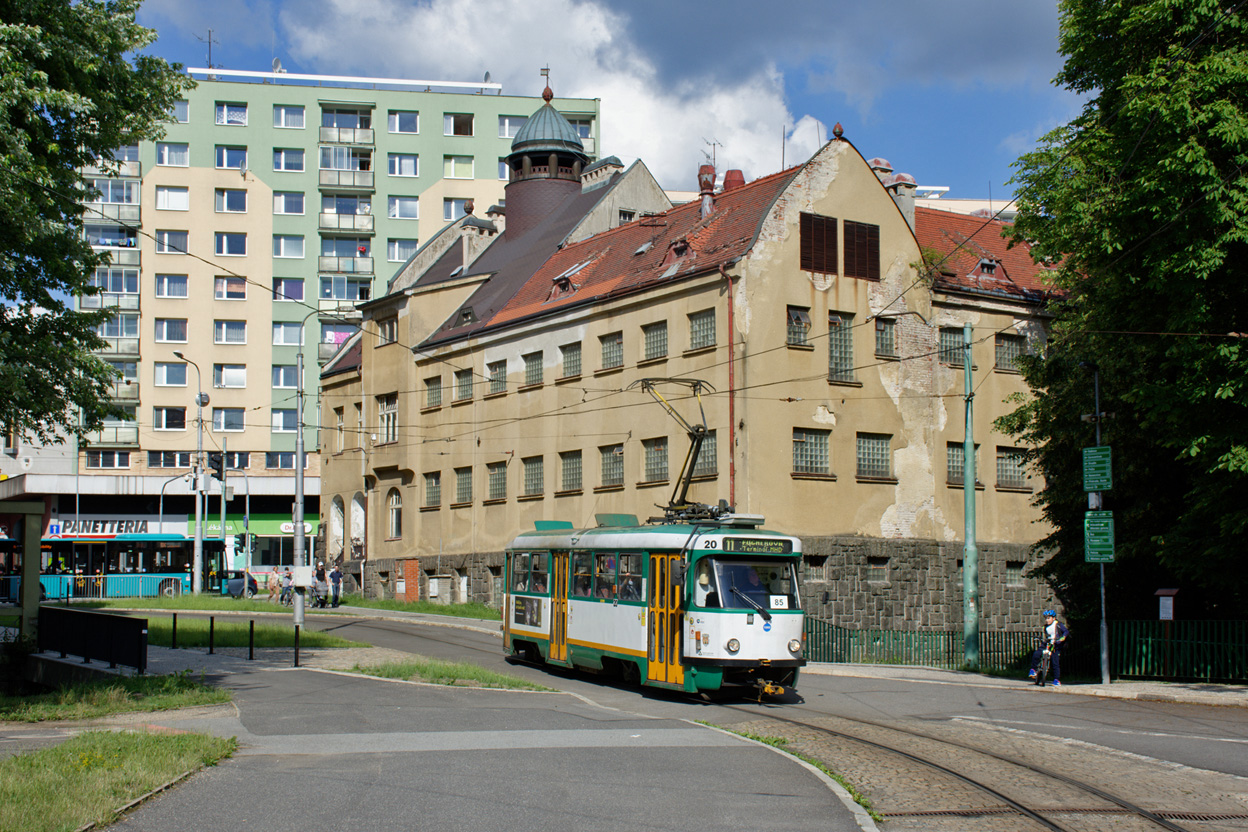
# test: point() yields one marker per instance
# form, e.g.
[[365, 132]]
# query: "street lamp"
[[299, 453], [201, 399]]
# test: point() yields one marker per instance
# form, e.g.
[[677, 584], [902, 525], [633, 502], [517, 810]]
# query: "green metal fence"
[[1212, 651]]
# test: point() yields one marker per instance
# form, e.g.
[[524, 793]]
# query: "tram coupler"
[[766, 688]]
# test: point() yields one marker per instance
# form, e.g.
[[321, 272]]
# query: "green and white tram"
[[693, 606]]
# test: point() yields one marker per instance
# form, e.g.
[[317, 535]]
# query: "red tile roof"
[[965, 241]]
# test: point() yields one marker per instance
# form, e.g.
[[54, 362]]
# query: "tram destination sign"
[[758, 545]]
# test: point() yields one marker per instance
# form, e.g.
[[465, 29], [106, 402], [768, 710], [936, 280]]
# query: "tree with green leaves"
[[73, 87], [1141, 205]]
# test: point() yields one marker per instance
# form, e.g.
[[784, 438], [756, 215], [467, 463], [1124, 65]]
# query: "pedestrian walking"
[[335, 583], [321, 588]]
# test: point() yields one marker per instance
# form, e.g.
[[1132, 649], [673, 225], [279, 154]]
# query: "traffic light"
[[240, 543], [216, 465]]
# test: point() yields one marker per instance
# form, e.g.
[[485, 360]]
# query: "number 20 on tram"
[[686, 606]]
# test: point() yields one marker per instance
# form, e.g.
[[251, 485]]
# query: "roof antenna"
[[210, 41], [713, 143]]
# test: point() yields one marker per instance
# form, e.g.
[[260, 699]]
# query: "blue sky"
[[949, 92]]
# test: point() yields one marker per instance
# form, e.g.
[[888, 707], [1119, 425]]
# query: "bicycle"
[[1046, 659]]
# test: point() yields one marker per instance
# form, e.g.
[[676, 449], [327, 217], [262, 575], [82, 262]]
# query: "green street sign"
[[1098, 474], [1098, 537]]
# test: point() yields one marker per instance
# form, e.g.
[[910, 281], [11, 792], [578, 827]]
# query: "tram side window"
[[630, 577], [537, 582], [582, 575], [520, 572], [604, 575]]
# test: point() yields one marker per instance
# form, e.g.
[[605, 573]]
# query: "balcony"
[[129, 170], [347, 222], [125, 391], [337, 310], [347, 135], [345, 265], [123, 256], [109, 300], [324, 352], [119, 348], [114, 436], [360, 180], [115, 211]]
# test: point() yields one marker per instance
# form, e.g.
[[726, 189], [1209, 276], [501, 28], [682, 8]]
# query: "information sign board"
[[1098, 537], [1097, 469]]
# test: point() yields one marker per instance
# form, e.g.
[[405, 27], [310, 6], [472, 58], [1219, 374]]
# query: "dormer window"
[[678, 249], [988, 266], [467, 316]]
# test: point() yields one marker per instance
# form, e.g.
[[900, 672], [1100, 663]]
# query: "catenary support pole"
[[970, 552]]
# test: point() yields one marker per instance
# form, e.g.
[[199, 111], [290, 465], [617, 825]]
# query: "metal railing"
[[1203, 650], [346, 222], [116, 639], [345, 265], [346, 179], [347, 135]]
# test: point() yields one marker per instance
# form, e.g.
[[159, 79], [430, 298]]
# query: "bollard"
[[174, 639], [251, 641], [296, 645], [212, 624]]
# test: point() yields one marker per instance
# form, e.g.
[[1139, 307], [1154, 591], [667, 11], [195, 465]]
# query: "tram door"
[[559, 607], [663, 632]]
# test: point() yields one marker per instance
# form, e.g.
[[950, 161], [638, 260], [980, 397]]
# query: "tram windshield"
[[746, 584]]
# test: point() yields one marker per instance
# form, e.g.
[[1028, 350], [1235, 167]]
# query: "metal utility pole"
[[225, 466], [1096, 496], [298, 512], [201, 399], [970, 553]]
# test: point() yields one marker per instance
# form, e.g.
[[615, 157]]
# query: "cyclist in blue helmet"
[[1053, 634]]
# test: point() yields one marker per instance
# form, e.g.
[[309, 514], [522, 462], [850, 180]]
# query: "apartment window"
[[707, 454], [457, 167], [287, 245], [288, 159], [171, 285], [231, 244], [345, 247], [173, 199], [1011, 468], [127, 371], [584, 127], [229, 332], [387, 331], [228, 419], [433, 489], [702, 329], [862, 250], [877, 569], [875, 458], [952, 346], [570, 471], [180, 112], [654, 338], [172, 154], [457, 124], [404, 121], [231, 157], [288, 116], [463, 385], [1008, 350], [285, 420], [818, 251], [496, 476], [121, 325], [347, 119], [171, 242], [169, 418], [125, 153], [401, 249], [798, 326], [504, 172], [286, 376], [171, 330], [283, 460], [337, 333], [403, 208], [612, 350], [108, 459], [287, 334], [111, 235], [345, 158], [230, 288], [288, 202], [168, 459], [394, 507], [232, 113], [453, 208], [116, 281], [388, 417], [169, 374], [288, 288], [229, 375], [342, 287], [886, 337], [509, 126], [611, 459], [532, 368], [231, 201], [463, 485], [840, 347], [810, 452], [534, 475], [571, 355], [121, 191], [433, 392], [498, 376], [403, 164], [655, 451]]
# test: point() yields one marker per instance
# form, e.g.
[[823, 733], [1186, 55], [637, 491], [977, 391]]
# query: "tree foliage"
[[72, 88], [1141, 202]]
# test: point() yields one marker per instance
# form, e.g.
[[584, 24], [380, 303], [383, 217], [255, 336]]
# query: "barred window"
[[840, 347], [1009, 348], [612, 350], [875, 458], [798, 325], [388, 415], [952, 346], [1011, 468], [886, 337], [654, 337], [702, 329], [534, 475], [463, 485], [655, 458], [612, 458], [497, 475], [1014, 573], [433, 488], [955, 463], [463, 385], [571, 354], [810, 451], [498, 376], [433, 392], [570, 470], [877, 569], [533, 368], [706, 466]]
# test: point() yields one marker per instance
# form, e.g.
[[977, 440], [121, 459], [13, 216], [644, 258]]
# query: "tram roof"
[[641, 536]]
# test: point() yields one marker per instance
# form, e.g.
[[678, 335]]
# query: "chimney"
[[706, 189], [733, 179], [900, 187], [881, 168]]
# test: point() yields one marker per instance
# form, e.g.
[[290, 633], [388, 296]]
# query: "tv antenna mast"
[[210, 40]]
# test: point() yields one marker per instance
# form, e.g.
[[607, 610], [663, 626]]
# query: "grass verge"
[[212, 603], [440, 672], [121, 695], [108, 770], [193, 632], [469, 610]]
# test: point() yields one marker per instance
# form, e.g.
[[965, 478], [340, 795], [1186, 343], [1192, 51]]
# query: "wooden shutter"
[[818, 243], [862, 250]]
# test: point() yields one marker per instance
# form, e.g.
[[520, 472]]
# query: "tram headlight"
[[733, 645], [795, 646]]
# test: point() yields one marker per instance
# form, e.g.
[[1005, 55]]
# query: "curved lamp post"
[[201, 399]]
